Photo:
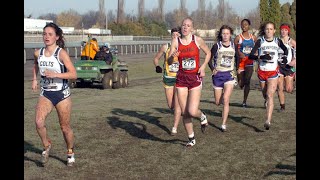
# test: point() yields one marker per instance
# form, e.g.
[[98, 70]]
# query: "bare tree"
[[152, 15], [89, 19], [182, 13], [49, 16], [211, 18], [161, 11], [221, 10], [101, 22], [182, 5], [254, 17], [226, 14], [120, 16], [111, 16], [171, 19], [201, 14], [70, 18], [141, 8]]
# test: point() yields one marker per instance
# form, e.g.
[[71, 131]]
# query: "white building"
[[33, 25]]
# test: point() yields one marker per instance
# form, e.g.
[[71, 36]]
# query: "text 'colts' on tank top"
[[51, 63]]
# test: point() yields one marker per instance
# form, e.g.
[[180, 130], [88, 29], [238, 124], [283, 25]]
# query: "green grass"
[[124, 134]]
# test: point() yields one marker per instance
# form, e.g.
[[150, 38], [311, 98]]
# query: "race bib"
[[174, 67], [271, 53], [226, 61], [188, 63], [66, 92], [247, 50], [280, 54], [48, 83]]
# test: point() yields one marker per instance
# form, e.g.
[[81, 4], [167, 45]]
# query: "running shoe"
[[244, 105], [70, 157], [173, 131], [203, 122], [45, 153], [191, 143], [267, 125], [223, 128]]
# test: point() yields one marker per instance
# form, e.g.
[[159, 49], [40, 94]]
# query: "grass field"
[[125, 134]]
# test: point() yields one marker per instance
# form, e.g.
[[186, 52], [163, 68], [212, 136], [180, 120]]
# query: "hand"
[[266, 57], [239, 71], [176, 54], [34, 85], [214, 71], [284, 60], [49, 74], [288, 66], [158, 69], [201, 72]]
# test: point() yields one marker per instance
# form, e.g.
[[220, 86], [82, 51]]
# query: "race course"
[[125, 134]]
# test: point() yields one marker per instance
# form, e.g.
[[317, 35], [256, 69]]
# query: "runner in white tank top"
[[55, 68], [287, 70], [267, 47]]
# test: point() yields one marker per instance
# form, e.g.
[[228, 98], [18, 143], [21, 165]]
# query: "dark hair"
[[246, 20], [263, 26], [176, 29], [94, 39], [59, 32], [219, 33]]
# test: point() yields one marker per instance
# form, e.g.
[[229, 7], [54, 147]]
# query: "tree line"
[[155, 23]]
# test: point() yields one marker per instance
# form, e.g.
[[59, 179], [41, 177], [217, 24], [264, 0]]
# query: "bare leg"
[[280, 92], [177, 111], [272, 86], [218, 96], [169, 96], [43, 108], [289, 84], [226, 96], [247, 79], [240, 77], [264, 92], [64, 114], [182, 94]]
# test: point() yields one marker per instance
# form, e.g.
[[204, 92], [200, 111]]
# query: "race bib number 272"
[[188, 63]]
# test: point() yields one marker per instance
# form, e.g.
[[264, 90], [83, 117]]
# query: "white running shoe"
[[223, 127], [45, 154], [70, 158], [203, 122], [191, 143], [174, 131]]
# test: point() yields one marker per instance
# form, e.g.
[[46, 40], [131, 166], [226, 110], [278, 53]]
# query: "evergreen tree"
[[286, 18], [293, 14], [275, 14], [264, 10]]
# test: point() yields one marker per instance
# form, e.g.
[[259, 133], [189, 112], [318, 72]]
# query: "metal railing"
[[124, 48]]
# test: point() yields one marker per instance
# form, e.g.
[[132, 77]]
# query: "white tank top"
[[290, 52], [51, 63], [270, 48], [225, 59]]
